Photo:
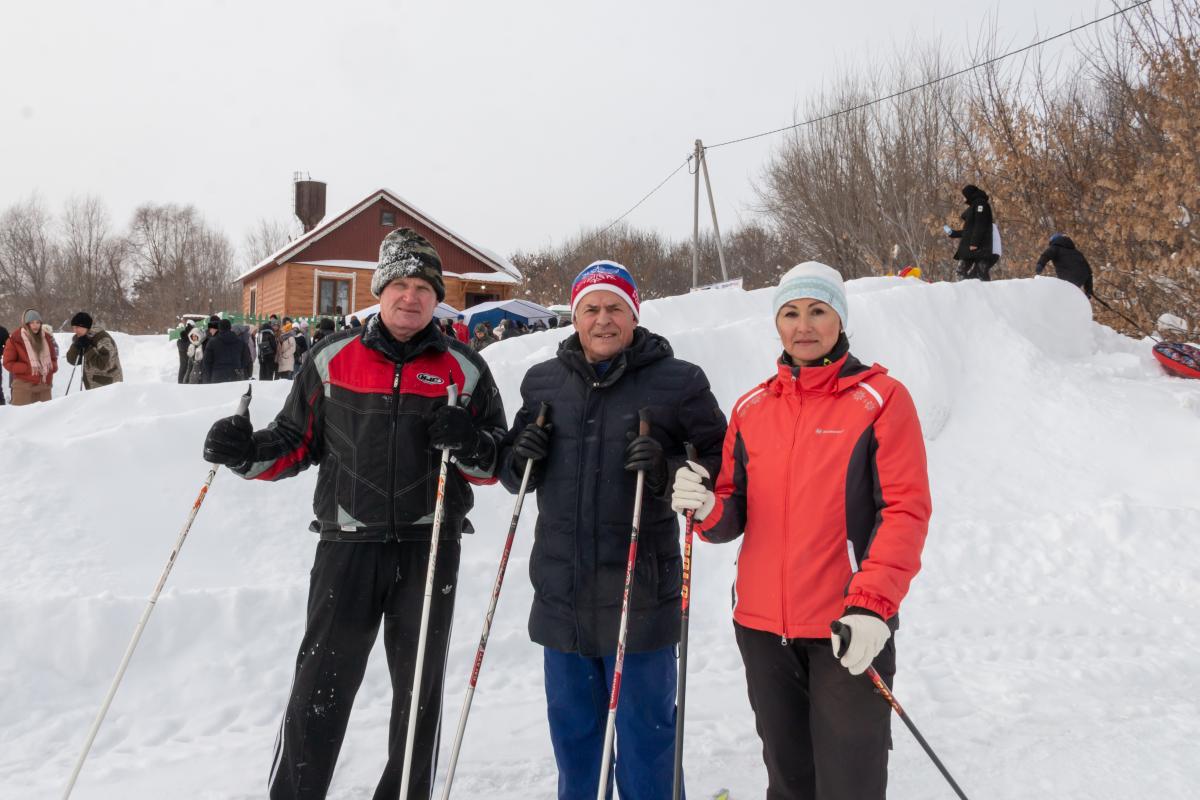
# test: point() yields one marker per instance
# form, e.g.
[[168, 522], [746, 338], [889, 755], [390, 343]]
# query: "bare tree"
[[181, 264], [265, 239], [28, 257]]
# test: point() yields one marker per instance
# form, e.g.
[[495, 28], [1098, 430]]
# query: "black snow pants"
[[266, 370], [980, 268], [825, 733], [353, 586]]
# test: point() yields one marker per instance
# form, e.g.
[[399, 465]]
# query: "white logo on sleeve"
[[820, 431]]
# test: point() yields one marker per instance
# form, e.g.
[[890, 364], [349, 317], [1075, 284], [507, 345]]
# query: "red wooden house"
[[330, 266]]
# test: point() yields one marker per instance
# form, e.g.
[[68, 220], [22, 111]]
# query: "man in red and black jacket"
[[370, 407]]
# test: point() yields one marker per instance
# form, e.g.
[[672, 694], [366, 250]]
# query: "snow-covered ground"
[[1049, 647]]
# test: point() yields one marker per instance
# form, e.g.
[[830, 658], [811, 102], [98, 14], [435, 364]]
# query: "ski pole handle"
[[543, 413], [843, 633], [643, 422], [243, 409], [690, 450]]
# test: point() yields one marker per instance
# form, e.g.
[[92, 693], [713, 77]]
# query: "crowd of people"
[[483, 334], [220, 351]]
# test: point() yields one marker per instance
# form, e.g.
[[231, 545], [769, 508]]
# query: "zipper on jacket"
[[787, 514], [391, 484], [587, 399]]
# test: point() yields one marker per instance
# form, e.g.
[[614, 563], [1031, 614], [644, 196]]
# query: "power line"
[[934, 81], [868, 104], [635, 206]]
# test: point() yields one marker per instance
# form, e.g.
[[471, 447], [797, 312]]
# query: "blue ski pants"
[[577, 691]]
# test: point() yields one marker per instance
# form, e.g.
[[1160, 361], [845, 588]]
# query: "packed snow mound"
[[1048, 647]]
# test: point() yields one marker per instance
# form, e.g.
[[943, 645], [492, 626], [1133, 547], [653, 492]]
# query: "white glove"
[[689, 494], [868, 635]]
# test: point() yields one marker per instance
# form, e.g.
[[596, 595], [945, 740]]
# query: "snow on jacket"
[[17, 359], [1069, 263], [285, 353], [101, 362], [824, 472], [358, 408], [585, 495], [977, 226]]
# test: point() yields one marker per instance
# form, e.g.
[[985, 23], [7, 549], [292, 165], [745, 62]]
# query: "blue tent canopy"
[[495, 310]]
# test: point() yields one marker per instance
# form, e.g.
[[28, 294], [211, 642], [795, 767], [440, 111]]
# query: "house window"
[[253, 301], [333, 294], [387, 218]]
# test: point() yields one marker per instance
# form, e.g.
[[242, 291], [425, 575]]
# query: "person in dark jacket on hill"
[[824, 480], [1069, 263], [974, 254], [226, 357], [584, 471], [182, 345], [370, 407]]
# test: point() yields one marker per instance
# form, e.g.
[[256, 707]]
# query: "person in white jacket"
[[285, 352]]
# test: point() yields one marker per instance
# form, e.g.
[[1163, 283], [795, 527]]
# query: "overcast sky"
[[515, 123]]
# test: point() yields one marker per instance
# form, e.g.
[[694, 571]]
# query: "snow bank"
[[1064, 470]]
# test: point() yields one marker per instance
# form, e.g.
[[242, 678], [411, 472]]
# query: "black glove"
[[82, 343], [451, 428], [645, 453], [532, 444], [230, 441]]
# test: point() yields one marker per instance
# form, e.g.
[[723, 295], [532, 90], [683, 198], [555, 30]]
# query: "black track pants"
[[825, 732], [353, 586]]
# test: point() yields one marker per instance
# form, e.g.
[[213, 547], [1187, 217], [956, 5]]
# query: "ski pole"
[[543, 411], [243, 410], [619, 663], [414, 704], [73, 367], [1136, 327], [684, 614], [843, 632]]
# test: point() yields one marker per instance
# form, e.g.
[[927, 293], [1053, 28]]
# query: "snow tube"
[[1179, 359]]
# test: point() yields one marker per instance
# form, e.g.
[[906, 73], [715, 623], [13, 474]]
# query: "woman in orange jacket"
[[824, 476]]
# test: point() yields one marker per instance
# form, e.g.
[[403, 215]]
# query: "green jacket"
[[101, 363]]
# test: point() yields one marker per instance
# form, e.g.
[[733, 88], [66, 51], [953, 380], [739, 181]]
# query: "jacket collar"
[[841, 371], [376, 337], [646, 348]]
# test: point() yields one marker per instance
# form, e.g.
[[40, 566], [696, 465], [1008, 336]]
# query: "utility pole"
[[702, 166]]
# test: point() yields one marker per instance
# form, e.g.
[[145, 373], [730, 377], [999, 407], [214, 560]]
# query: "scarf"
[[39, 353]]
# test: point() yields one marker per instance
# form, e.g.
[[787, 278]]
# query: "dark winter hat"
[[326, 324], [1054, 237], [214, 321], [226, 325], [405, 253], [83, 319]]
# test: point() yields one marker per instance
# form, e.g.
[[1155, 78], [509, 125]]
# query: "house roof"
[[286, 253]]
